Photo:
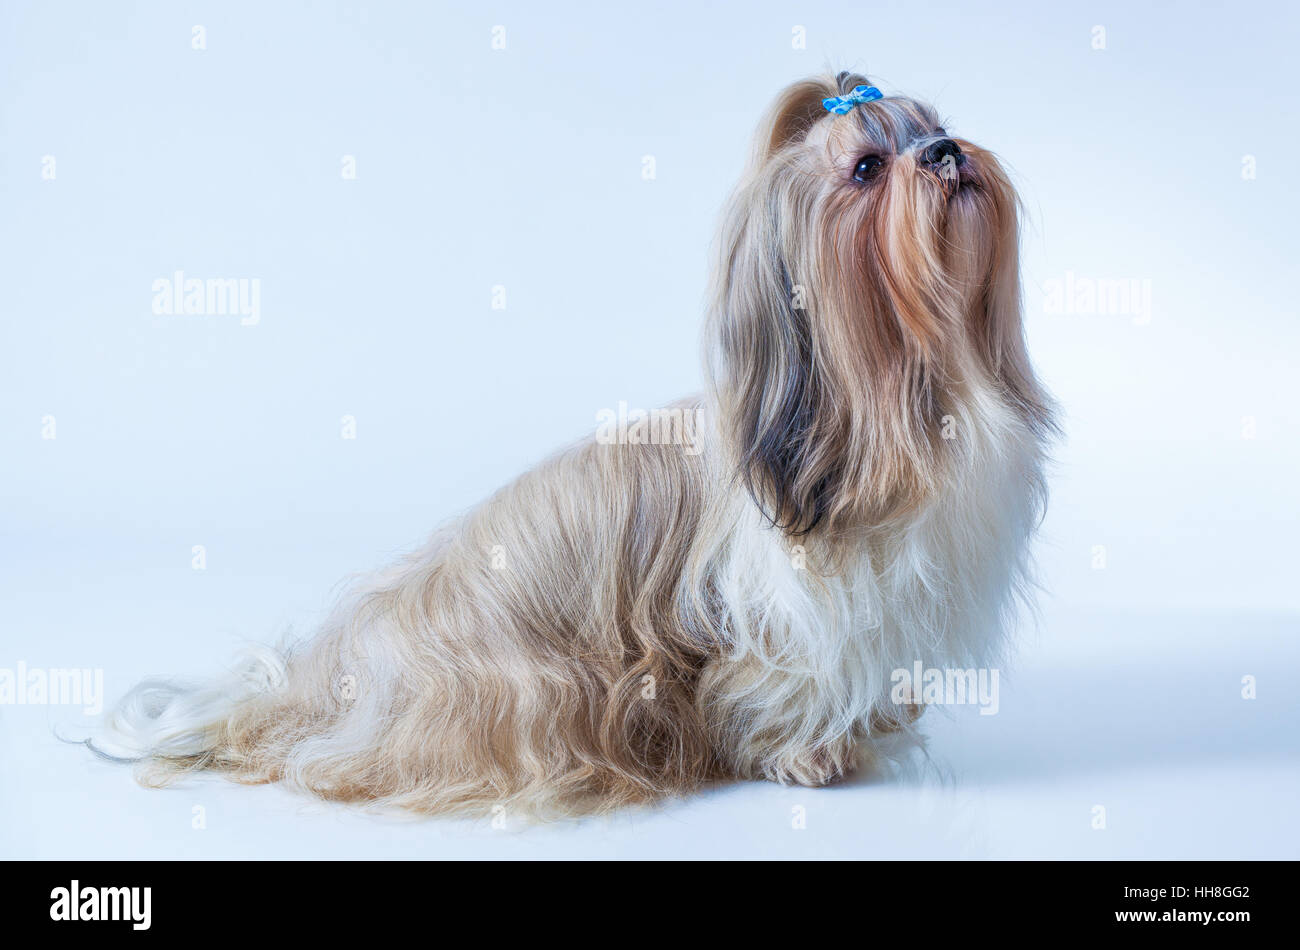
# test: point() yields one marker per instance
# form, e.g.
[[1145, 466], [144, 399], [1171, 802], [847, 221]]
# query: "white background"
[[522, 168]]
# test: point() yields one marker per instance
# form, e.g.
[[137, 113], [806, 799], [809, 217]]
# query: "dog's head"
[[866, 289]]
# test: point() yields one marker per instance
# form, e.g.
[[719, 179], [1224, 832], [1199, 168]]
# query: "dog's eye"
[[867, 168]]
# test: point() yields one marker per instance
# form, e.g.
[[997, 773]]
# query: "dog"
[[629, 621]]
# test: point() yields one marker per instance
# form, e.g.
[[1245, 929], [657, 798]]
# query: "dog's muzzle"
[[945, 159]]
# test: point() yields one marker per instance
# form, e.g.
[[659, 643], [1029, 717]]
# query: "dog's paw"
[[815, 767]]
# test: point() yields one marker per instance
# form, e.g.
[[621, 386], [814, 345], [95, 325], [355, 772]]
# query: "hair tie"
[[839, 105]]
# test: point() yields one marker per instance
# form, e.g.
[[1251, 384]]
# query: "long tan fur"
[[628, 621]]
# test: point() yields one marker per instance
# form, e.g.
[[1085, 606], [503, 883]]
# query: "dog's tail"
[[313, 716], [169, 727]]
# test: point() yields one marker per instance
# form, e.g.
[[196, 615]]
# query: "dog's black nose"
[[936, 152]]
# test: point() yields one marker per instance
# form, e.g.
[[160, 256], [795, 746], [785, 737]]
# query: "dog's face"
[[867, 288], [915, 217]]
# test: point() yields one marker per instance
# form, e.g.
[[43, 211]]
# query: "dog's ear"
[[778, 411], [785, 388], [783, 444]]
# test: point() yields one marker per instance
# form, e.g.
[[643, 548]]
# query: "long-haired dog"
[[629, 621]]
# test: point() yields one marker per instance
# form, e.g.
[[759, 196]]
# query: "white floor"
[[1139, 714]]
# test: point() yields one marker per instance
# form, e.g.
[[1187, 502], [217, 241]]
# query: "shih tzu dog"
[[629, 621]]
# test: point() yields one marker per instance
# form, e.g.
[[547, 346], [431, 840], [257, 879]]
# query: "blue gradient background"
[[522, 168]]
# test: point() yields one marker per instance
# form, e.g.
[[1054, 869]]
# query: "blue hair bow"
[[840, 105]]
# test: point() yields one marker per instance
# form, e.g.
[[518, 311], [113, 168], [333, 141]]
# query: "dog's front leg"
[[770, 724]]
